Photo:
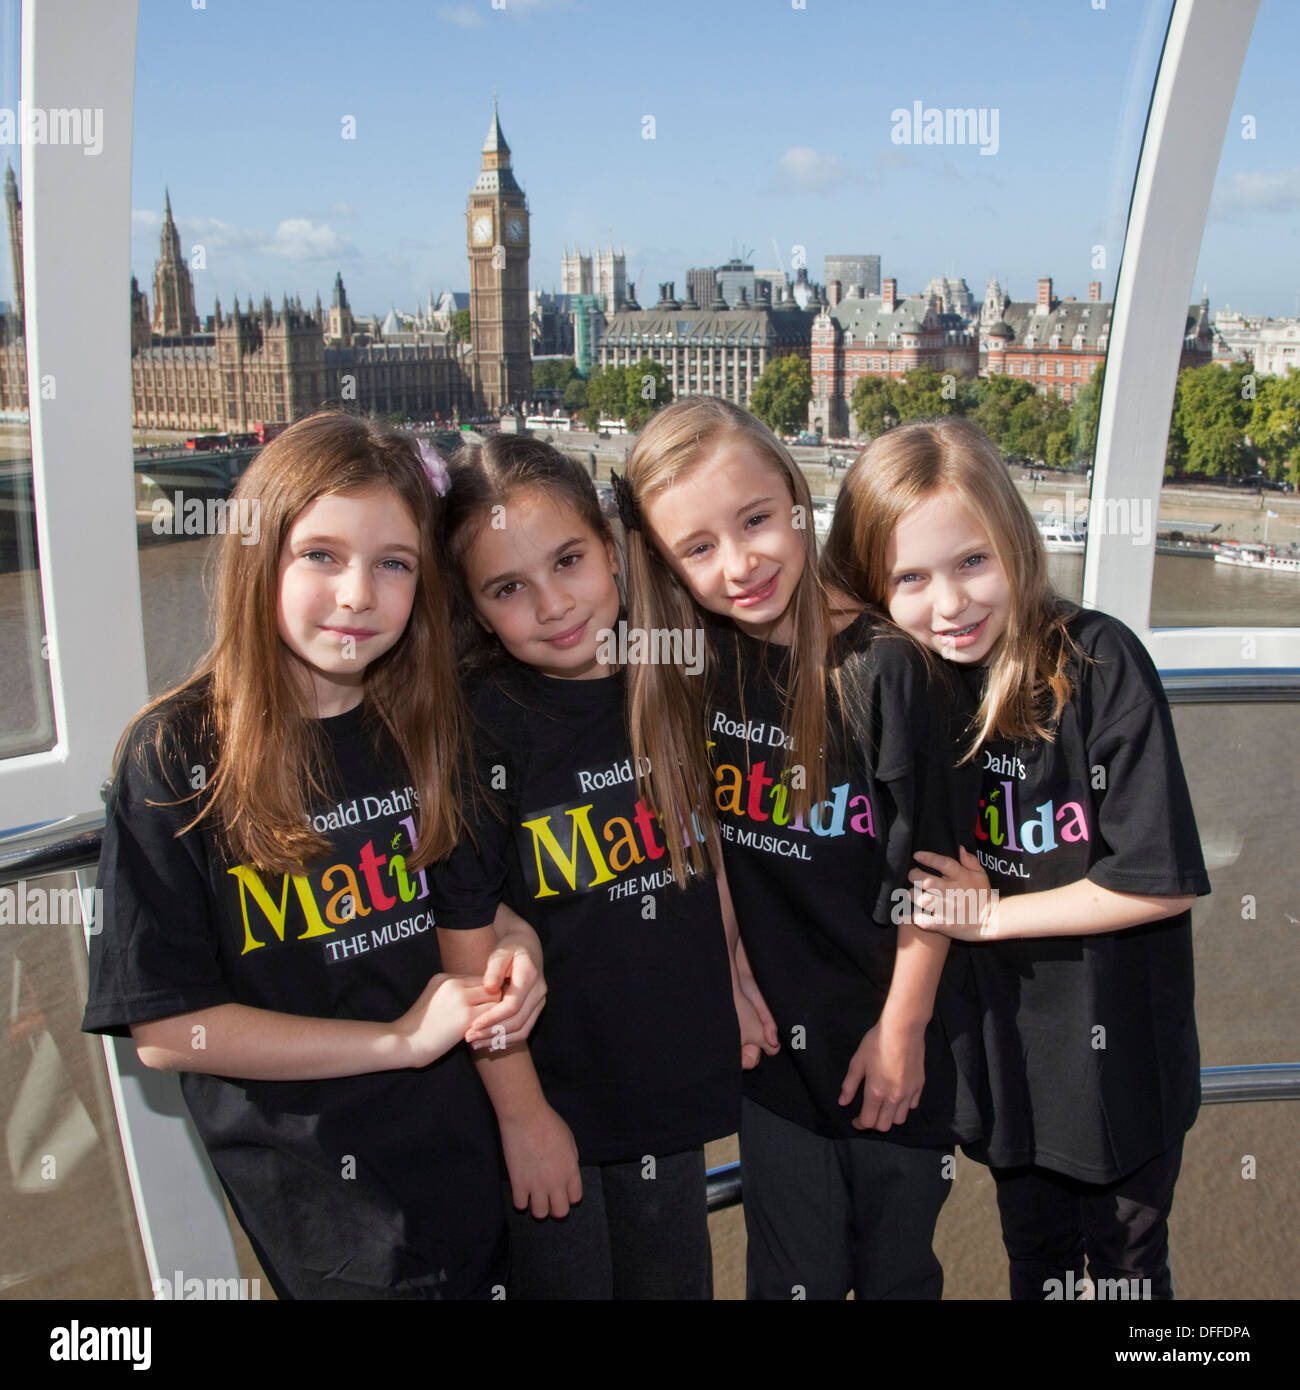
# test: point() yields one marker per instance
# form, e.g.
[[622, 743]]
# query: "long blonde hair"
[[1028, 682], [273, 761], [665, 706]]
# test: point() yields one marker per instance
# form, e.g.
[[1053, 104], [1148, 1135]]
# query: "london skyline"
[[773, 128]]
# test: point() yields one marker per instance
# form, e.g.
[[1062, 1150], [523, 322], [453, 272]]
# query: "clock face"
[[482, 230], [515, 229]]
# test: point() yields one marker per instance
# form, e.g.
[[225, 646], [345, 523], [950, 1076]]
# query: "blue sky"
[[772, 128]]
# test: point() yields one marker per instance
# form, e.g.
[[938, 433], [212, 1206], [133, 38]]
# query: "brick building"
[[883, 335]]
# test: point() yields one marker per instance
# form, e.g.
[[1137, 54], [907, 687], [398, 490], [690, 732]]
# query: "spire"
[[496, 141], [167, 204]]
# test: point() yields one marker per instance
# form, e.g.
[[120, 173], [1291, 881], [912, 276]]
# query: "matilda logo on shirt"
[[999, 825], [749, 794], [340, 894], [579, 848]]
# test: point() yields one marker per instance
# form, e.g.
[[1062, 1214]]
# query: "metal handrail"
[[55, 847], [1230, 687], [1219, 1085]]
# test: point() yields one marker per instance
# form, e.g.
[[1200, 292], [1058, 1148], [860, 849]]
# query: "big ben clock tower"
[[498, 279]]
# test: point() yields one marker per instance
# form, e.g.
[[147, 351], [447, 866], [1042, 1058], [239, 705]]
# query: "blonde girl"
[[1078, 846], [811, 730]]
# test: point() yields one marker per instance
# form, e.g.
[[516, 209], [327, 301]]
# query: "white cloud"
[[300, 239], [801, 167], [215, 234], [1252, 193], [463, 16]]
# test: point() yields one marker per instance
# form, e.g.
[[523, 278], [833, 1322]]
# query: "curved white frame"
[[74, 54], [86, 52], [84, 55], [1206, 44]]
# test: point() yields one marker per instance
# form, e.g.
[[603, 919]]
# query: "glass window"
[[27, 721], [1229, 523]]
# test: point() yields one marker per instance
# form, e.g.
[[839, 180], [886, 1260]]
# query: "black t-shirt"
[[1090, 1041], [816, 901], [389, 1179], [638, 1048]]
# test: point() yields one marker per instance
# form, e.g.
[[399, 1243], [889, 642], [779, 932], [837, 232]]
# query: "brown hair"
[[483, 477], [260, 800], [1028, 683], [666, 707]]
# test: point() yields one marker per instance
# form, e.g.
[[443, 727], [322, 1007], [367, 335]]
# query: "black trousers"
[[824, 1216], [641, 1231], [1051, 1222]]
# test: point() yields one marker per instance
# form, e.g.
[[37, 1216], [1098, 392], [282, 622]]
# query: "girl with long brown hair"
[[264, 868], [810, 733], [635, 1064], [1078, 865]]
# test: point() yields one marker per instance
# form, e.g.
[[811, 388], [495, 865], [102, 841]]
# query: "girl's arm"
[[262, 1045], [758, 1032], [540, 1154], [953, 897], [889, 1064]]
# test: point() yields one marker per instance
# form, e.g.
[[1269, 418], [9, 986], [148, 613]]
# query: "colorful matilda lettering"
[[606, 843], [995, 823], [750, 794], [1003, 831], [591, 860], [340, 894]]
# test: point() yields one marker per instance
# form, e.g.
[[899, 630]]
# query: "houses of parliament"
[[258, 364]]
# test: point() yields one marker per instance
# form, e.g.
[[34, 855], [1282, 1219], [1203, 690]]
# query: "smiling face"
[[726, 527], [944, 584], [347, 580], [544, 583]]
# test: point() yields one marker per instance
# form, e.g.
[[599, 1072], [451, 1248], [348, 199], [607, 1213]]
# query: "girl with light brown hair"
[[1079, 856], [810, 735], [319, 743]]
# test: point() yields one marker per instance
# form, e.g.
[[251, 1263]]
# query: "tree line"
[[1226, 423]]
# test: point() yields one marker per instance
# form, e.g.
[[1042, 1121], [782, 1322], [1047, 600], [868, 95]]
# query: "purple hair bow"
[[436, 467]]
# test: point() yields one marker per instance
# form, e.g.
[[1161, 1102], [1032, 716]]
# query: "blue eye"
[[973, 560], [400, 565], [757, 519]]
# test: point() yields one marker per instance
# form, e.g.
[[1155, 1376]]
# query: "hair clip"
[[436, 467], [625, 500]]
